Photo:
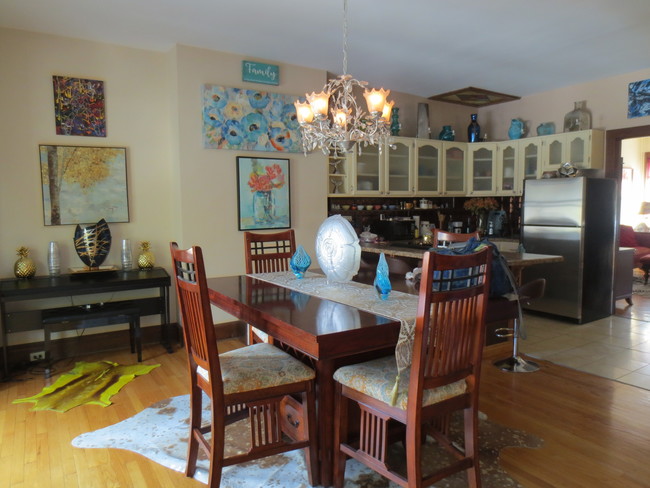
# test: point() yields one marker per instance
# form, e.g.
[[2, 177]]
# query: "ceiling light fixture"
[[346, 124]]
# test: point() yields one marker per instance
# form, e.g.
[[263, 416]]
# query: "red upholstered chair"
[[640, 241], [259, 381], [443, 378]]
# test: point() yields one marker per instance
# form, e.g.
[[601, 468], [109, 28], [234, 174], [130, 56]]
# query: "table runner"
[[399, 306]]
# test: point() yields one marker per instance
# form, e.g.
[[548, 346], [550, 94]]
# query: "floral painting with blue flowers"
[[249, 120], [638, 99]]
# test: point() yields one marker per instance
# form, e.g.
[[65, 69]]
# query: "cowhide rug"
[[160, 433]]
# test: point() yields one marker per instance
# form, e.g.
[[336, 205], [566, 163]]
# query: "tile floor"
[[617, 347]]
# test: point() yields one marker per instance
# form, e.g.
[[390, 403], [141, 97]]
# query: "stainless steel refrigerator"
[[575, 218]]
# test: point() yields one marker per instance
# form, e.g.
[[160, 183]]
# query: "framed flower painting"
[[264, 199], [249, 120]]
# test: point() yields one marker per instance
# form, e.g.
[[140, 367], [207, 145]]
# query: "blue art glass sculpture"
[[382, 282], [516, 129], [300, 262]]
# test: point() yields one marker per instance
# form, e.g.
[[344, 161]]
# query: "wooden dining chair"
[[443, 378], [260, 381], [440, 237], [267, 253]]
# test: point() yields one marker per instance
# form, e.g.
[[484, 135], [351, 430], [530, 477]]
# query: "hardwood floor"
[[595, 431]]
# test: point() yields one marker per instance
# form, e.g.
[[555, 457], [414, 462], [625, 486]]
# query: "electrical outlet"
[[37, 356]]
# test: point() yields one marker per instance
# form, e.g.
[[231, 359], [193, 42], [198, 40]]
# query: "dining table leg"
[[325, 395]]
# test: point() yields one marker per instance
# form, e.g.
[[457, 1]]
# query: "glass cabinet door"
[[532, 157], [577, 147], [398, 167], [482, 168], [508, 172], [427, 176], [454, 169], [367, 170]]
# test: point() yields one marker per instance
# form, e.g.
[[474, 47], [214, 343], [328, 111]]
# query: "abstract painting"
[[79, 107], [263, 193], [249, 120], [638, 99], [83, 184]]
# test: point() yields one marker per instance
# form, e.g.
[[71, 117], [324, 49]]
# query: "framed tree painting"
[[264, 199], [83, 184]]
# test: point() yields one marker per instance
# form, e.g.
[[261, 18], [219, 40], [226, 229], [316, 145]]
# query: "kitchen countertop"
[[515, 259]]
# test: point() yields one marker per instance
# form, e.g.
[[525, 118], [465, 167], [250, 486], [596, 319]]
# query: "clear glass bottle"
[[578, 119], [473, 130], [127, 255], [53, 263]]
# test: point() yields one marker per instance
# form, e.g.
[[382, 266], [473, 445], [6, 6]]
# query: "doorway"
[[622, 173]]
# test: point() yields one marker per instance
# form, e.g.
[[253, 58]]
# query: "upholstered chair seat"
[[376, 379], [258, 366]]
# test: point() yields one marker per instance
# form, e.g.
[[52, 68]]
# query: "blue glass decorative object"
[[473, 130], [447, 133], [382, 282], [395, 124], [516, 129], [546, 129], [300, 262]]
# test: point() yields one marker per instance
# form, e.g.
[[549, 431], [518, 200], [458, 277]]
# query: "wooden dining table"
[[324, 333], [327, 334]]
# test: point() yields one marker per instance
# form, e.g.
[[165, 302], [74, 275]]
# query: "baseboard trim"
[[18, 355]]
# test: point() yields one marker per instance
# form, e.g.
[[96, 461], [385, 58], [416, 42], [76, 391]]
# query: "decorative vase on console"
[[578, 119], [474, 130]]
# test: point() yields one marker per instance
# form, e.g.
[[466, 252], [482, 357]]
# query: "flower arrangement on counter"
[[478, 205]]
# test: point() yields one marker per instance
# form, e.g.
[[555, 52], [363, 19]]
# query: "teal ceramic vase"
[[447, 133]]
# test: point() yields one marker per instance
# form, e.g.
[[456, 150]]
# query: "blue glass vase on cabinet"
[[473, 130], [447, 133]]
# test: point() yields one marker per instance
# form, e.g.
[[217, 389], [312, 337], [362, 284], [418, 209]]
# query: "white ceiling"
[[421, 47]]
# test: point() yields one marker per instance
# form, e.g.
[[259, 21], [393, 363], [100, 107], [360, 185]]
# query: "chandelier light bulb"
[[340, 118], [304, 113], [386, 111], [319, 103], [376, 99]]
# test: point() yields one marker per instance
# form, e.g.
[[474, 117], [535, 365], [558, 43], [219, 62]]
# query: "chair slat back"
[[450, 324], [268, 253], [441, 236], [196, 314]]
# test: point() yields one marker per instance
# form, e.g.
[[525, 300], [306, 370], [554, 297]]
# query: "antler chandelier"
[[347, 123]]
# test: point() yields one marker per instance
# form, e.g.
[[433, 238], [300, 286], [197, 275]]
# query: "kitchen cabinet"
[[398, 167], [482, 174], [508, 169], [530, 157], [453, 168], [428, 167], [384, 173], [338, 177], [583, 149]]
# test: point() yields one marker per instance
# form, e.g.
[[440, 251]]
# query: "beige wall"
[[606, 99]]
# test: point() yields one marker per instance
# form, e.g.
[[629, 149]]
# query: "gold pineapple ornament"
[[146, 259], [24, 266]]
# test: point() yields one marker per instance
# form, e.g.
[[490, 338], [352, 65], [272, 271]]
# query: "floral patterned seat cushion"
[[259, 366], [376, 379]]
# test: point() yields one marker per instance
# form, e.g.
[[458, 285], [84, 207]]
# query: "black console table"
[[73, 285]]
